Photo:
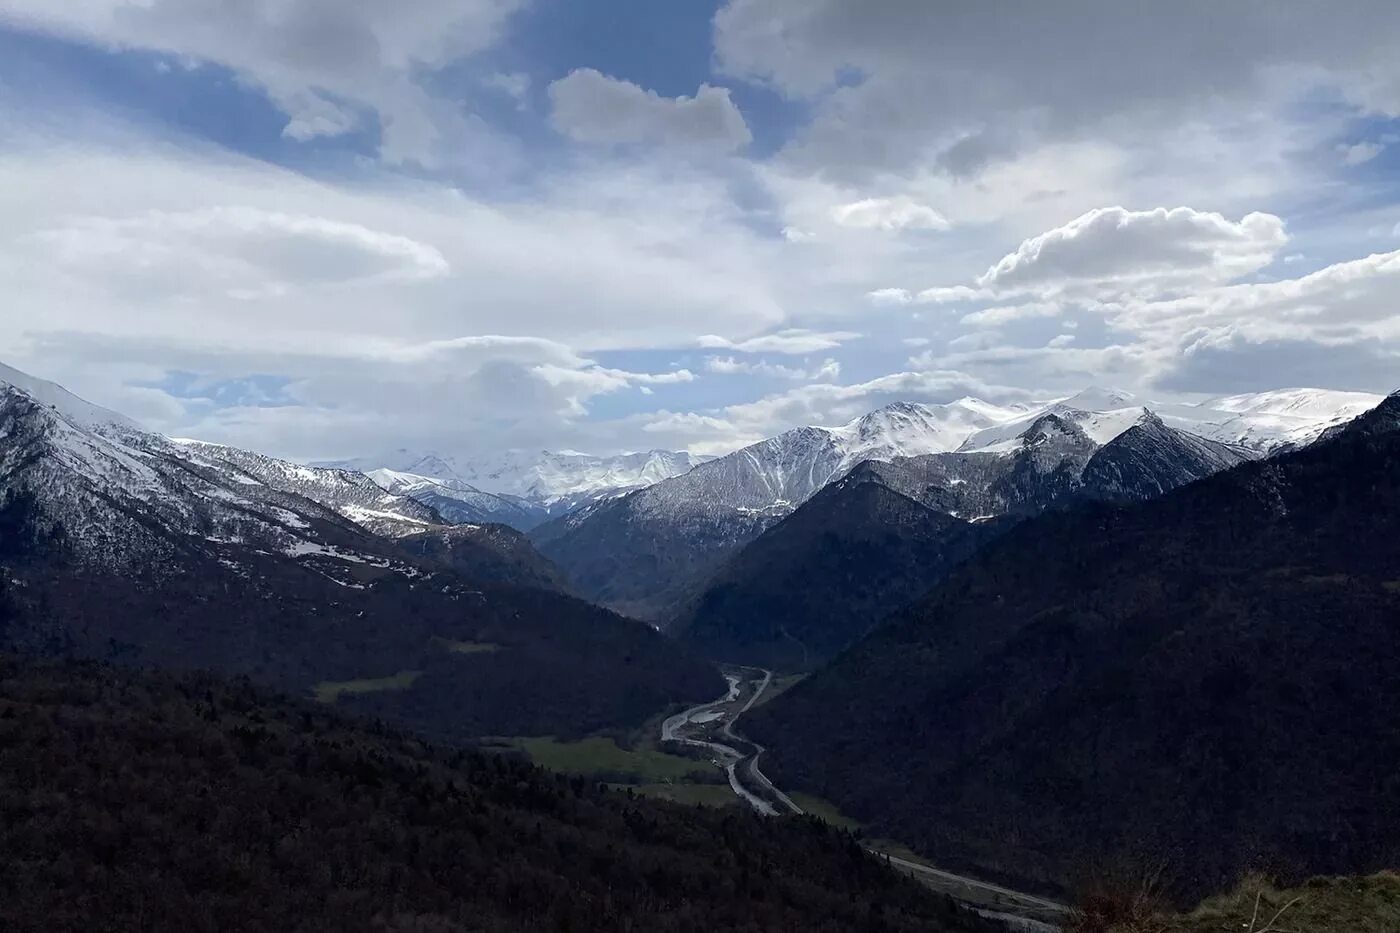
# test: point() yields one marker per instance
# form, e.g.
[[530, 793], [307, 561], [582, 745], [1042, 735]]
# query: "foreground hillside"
[[156, 802], [1368, 904], [1207, 679]]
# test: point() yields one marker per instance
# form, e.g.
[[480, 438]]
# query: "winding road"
[[711, 726]]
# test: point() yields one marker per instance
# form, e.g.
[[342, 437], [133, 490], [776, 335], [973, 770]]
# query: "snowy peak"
[[549, 480], [133, 502], [460, 503], [1324, 404], [1098, 398], [352, 495], [74, 410], [907, 429]]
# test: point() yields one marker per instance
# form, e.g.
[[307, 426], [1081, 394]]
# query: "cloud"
[[1155, 249], [1005, 314], [513, 84], [889, 214], [1359, 153], [897, 85], [828, 371], [937, 295], [125, 262], [319, 61], [794, 341], [243, 251], [590, 107], [829, 404]]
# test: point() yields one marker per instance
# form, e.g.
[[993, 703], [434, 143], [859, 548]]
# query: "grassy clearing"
[[328, 691], [601, 756], [1323, 905], [780, 685], [824, 810], [710, 795], [1392, 586], [469, 647], [1331, 579]]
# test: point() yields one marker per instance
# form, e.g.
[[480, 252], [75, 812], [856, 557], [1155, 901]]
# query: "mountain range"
[[1044, 638], [1191, 686], [522, 489], [888, 531], [648, 552], [123, 545]]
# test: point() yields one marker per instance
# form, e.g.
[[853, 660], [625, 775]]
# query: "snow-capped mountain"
[[120, 545], [457, 502], [1054, 460], [641, 552], [887, 532], [353, 495], [55, 397], [557, 482], [1263, 422], [125, 500]]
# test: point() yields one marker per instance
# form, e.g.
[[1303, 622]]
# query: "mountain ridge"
[[1202, 678]]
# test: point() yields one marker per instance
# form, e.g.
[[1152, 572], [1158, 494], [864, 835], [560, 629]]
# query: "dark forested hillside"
[[437, 654], [489, 553], [428, 649], [152, 802], [124, 546], [1206, 680], [641, 553], [887, 532], [825, 575]]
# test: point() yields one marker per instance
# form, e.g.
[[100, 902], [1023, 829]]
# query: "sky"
[[328, 228]]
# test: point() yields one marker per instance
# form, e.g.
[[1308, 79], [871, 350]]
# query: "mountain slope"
[[543, 484], [644, 553], [122, 546], [460, 503], [873, 541], [1206, 678], [157, 802], [354, 495], [491, 553], [653, 551], [824, 576]]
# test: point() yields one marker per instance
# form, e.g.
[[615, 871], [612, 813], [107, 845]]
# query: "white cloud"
[[120, 268], [591, 107], [317, 60], [900, 84], [826, 404], [937, 295], [1359, 153], [1005, 314], [794, 341], [827, 371], [889, 214], [244, 252], [513, 84], [1156, 249]]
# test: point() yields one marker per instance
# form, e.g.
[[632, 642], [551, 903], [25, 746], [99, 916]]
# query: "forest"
[[152, 801]]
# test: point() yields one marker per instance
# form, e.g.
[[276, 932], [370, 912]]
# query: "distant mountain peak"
[[54, 396], [1101, 398]]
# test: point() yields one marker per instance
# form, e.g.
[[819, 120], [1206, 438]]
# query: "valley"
[[964, 579], [714, 726]]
